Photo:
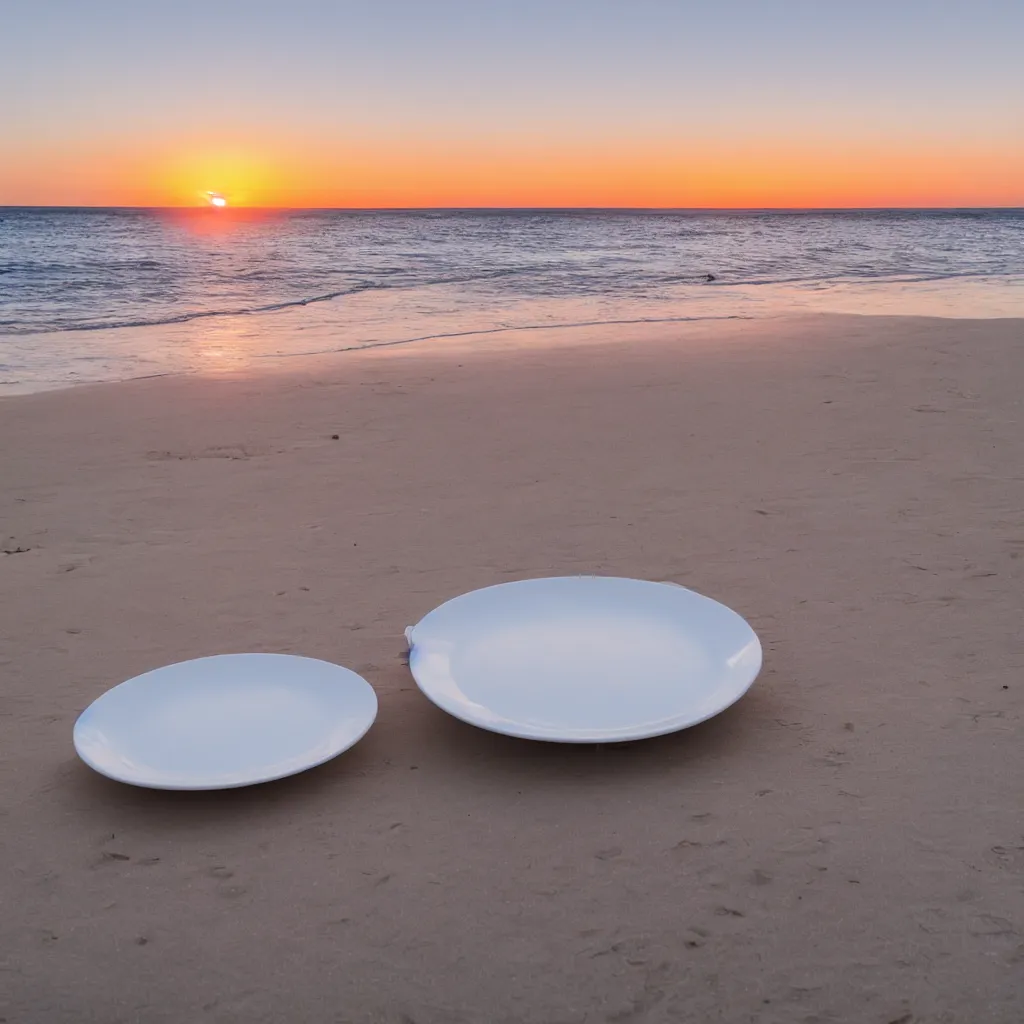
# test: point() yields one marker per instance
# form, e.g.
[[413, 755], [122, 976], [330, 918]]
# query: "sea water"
[[112, 294]]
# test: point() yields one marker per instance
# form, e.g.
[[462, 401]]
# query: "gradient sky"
[[517, 103]]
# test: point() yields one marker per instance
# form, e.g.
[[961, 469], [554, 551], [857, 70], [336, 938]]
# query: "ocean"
[[113, 294]]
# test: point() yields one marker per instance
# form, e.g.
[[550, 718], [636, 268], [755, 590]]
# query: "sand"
[[845, 844]]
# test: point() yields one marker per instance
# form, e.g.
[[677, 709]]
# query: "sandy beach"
[[846, 844]]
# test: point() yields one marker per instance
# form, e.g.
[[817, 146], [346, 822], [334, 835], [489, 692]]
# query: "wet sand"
[[845, 844]]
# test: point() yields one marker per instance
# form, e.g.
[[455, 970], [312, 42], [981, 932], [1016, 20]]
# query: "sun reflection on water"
[[220, 344]]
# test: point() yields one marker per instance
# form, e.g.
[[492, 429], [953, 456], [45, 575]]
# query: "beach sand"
[[845, 844]]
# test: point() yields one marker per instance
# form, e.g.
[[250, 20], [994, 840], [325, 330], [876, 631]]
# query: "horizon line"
[[506, 209]]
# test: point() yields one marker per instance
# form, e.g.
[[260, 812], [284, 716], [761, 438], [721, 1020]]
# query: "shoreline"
[[280, 359], [437, 344], [369, 316], [843, 843]]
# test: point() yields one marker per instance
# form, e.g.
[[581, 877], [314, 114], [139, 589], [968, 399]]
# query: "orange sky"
[[402, 103], [709, 173]]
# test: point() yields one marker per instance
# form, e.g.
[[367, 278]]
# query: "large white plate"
[[583, 659], [225, 721]]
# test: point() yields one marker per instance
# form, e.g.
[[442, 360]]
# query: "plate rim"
[[202, 787], [677, 724]]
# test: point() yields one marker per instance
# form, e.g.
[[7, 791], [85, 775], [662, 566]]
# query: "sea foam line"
[[274, 307]]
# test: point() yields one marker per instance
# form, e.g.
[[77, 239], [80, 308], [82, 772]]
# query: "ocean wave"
[[183, 318], [23, 329], [17, 328], [859, 279]]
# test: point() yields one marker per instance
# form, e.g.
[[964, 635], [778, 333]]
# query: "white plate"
[[583, 659], [226, 721]]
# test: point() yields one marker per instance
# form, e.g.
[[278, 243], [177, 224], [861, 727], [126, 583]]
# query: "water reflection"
[[222, 345]]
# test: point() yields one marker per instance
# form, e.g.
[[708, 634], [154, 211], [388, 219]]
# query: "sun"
[[216, 199]]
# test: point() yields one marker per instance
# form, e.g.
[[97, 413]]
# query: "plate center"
[[585, 671]]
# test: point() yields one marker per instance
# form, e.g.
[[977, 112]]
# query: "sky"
[[518, 103]]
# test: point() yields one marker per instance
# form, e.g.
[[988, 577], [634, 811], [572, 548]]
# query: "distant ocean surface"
[[91, 294]]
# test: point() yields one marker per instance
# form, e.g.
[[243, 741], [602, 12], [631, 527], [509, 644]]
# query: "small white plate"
[[226, 721], [583, 659]]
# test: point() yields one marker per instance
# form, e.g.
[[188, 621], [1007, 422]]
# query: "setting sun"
[[216, 199]]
